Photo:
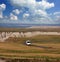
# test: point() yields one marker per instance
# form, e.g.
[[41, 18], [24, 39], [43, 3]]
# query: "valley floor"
[[42, 46]]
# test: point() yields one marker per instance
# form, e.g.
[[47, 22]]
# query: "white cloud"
[[56, 13], [40, 12], [16, 11], [25, 15], [37, 10], [1, 14], [56, 17], [13, 17], [2, 8], [25, 3], [32, 4], [44, 5]]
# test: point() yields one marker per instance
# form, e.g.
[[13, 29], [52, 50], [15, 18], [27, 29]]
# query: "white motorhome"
[[28, 42]]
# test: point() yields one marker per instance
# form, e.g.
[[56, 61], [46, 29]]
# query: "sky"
[[30, 11]]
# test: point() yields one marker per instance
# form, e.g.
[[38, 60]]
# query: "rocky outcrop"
[[6, 35]]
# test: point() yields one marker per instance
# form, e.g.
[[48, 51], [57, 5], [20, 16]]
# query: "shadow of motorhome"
[[42, 47]]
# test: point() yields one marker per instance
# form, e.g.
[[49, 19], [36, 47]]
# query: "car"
[[28, 42]]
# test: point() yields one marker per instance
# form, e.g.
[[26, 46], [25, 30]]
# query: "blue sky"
[[30, 11]]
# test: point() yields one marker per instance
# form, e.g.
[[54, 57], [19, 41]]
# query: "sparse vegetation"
[[30, 29], [37, 39], [44, 48]]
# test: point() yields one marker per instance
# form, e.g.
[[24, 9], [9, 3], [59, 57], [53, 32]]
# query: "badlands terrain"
[[45, 44], [6, 35]]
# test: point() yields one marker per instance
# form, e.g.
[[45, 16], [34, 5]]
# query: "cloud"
[[40, 12], [36, 10], [16, 11], [56, 13], [44, 5], [25, 15], [56, 17], [2, 8], [32, 4], [25, 3], [1, 14], [13, 17]]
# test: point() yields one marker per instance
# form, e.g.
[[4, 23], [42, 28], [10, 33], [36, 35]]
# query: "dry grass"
[[18, 49], [55, 29]]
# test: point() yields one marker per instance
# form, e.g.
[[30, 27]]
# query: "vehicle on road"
[[28, 42]]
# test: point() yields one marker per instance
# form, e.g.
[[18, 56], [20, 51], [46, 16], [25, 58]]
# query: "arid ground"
[[43, 46]]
